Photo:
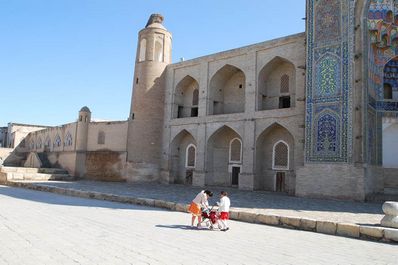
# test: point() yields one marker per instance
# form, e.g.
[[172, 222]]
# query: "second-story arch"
[[276, 85], [227, 91], [186, 98]]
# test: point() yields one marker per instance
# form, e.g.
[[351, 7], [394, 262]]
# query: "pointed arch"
[[227, 91], [274, 153], [221, 128], [142, 54], [390, 79], [280, 155], [235, 151], [158, 54], [328, 71], [101, 137], [32, 145], [276, 85], [68, 139], [181, 157], [47, 142], [327, 134], [39, 143], [218, 161], [186, 98], [57, 141], [190, 156]]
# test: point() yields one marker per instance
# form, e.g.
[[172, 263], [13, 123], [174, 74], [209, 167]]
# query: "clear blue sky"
[[59, 55]]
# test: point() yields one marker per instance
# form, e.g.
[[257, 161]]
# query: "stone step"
[[52, 171], [391, 191], [33, 170], [382, 197], [36, 174]]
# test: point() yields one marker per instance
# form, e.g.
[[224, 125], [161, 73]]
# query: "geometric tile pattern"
[[382, 48], [330, 49]]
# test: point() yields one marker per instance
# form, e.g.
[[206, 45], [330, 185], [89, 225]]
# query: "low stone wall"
[[391, 177]]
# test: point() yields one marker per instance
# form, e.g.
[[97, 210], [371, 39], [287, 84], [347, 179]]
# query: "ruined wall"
[[65, 160], [105, 165]]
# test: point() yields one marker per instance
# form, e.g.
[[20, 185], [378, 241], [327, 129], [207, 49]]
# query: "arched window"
[[235, 150], [280, 155], [195, 102], [195, 97], [39, 143], [190, 156], [101, 137], [142, 56], [68, 139], [387, 91], [159, 50], [57, 141], [284, 84], [47, 142], [32, 145]]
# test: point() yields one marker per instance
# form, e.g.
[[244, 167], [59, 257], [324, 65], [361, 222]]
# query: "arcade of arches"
[[274, 158]]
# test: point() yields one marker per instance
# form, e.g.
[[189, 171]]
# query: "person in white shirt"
[[200, 201], [223, 211]]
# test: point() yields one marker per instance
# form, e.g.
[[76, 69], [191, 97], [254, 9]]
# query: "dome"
[[155, 21], [85, 109]]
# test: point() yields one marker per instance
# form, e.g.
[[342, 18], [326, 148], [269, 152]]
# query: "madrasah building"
[[312, 114]]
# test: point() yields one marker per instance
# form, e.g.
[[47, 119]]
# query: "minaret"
[[82, 128], [147, 107], [83, 122]]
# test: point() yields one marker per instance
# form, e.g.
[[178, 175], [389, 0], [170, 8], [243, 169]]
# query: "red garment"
[[224, 216]]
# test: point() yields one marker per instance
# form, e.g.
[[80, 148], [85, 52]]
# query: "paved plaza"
[[45, 228], [258, 201]]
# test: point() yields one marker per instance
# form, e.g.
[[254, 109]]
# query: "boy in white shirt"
[[223, 211]]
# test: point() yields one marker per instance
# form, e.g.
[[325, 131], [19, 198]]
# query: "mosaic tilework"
[[329, 80], [371, 137], [327, 137], [382, 42], [328, 72], [327, 20]]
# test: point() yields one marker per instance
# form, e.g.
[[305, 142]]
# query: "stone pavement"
[[44, 228], [356, 219]]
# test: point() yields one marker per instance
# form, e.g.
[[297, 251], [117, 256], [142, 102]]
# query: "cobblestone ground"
[[45, 228], [259, 202]]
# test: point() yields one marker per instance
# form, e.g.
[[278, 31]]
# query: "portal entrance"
[[280, 185], [188, 176], [235, 176]]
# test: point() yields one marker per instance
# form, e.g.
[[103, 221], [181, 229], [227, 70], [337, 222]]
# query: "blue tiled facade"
[[329, 80]]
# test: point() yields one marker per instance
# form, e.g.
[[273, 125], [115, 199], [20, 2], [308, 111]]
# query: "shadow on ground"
[[50, 198]]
